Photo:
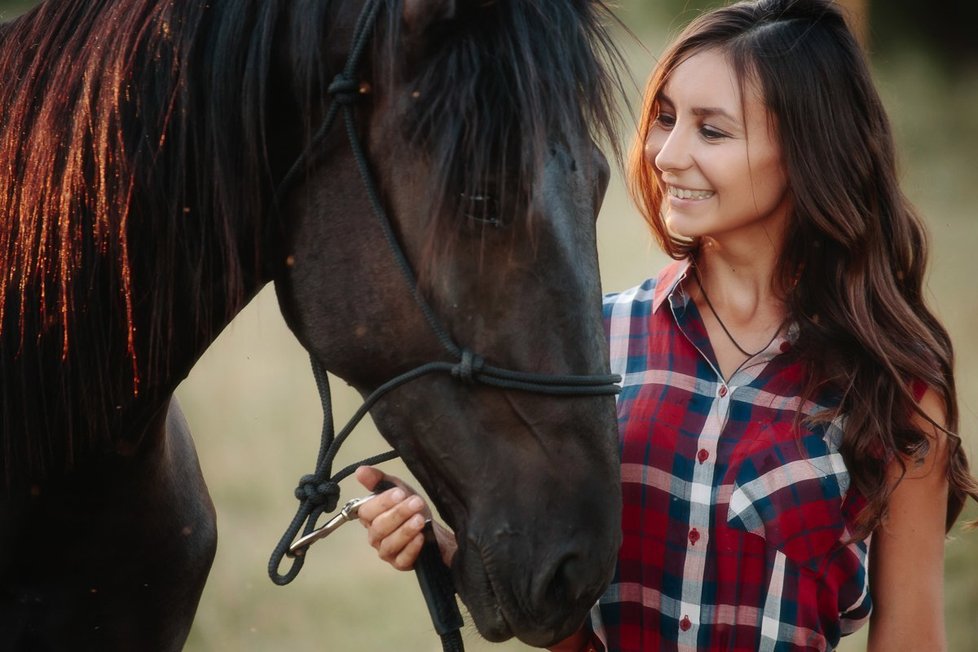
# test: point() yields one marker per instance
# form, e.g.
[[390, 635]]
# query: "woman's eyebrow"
[[705, 111], [711, 111]]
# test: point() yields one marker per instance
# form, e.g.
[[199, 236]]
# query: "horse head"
[[478, 122]]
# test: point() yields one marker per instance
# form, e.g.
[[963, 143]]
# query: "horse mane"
[[136, 174], [112, 168]]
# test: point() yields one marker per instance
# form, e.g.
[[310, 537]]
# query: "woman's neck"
[[741, 282], [738, 298]]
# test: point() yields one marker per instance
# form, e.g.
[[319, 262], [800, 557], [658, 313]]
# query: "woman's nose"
[[668, 151]]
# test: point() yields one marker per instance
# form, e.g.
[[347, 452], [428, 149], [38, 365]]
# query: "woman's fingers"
[[406, 513], [402, 547], [401, 497], [394, 519], [396, 533], [370, 477]]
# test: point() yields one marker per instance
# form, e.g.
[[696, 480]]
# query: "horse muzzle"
[[515, 583]]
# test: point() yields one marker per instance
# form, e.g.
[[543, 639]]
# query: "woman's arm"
[[907, 551]]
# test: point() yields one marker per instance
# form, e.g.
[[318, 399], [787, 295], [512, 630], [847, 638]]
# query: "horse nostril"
[[569, 583], [566, 589]]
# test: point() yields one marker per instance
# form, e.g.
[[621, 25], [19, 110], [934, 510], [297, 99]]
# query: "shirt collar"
[[668, 280], [669, 285]]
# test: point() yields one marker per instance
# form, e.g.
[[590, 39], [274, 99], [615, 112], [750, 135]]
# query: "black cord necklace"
[[709, 304]]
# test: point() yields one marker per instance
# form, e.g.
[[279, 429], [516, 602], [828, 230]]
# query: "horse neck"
[[103, 394], [187, 301]]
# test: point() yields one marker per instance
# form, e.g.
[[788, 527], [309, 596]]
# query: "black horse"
[[161, 161]]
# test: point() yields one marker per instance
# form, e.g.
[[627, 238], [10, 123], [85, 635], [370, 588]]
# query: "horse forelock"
[[503, 82]]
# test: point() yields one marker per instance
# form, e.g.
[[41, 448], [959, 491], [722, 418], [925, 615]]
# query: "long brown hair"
[[855, 251]]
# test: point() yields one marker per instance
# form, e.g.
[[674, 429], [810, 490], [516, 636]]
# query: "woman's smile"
[[687, 193]]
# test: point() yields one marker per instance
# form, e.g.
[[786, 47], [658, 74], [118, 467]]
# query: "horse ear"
[[420, 15]]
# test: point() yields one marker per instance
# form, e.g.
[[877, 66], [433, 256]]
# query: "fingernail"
[[397, 495], [415, 502], [417, 521]]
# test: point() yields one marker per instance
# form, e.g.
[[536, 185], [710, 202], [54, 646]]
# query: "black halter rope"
[[318, 493]]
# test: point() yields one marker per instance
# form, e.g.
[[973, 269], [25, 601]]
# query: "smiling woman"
[[814, 261]]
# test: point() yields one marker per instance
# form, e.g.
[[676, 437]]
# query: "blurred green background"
[[252, 402]]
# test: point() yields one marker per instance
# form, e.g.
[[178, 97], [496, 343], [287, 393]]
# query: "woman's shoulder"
[[647, 294], [641, 293]]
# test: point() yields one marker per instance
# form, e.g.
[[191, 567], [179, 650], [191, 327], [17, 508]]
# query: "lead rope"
[[319, 492], [438, 589]]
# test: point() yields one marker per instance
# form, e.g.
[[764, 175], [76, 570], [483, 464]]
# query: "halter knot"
[[468, 367], [343, 89], [318, 492]]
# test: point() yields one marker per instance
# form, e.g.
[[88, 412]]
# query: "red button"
[[723, 391], [703, 455], [685, 624], [785, 346], [694, 536]]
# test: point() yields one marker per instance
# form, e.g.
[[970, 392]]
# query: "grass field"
[[252, 403]]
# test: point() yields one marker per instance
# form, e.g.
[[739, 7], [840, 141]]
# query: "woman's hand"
[[394, 520]]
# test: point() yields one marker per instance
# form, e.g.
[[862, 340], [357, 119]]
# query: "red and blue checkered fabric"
[[736, 519]]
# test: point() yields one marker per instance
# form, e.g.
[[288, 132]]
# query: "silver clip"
[[345, 515]]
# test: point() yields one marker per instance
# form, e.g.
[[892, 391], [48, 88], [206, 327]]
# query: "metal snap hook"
[[345, 515]]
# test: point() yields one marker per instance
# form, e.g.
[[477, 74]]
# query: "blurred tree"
[[943, 29], [946, 29], [12, 8]]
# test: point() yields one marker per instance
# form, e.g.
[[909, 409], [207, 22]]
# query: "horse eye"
[[480, 207]]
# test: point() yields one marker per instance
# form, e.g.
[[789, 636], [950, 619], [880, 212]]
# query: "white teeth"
[[683, 193]]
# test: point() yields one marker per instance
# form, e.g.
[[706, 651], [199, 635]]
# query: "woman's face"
[[717, 157]]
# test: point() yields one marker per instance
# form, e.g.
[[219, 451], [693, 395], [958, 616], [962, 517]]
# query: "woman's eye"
[[709, 133], [665, 120]]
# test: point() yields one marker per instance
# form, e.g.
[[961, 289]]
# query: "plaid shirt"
[[735, 524]]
